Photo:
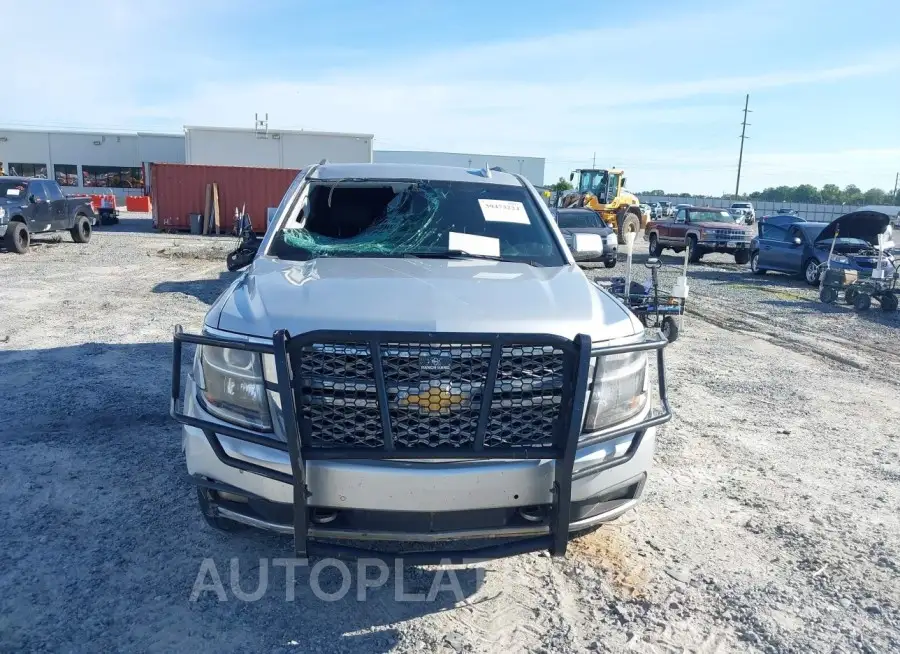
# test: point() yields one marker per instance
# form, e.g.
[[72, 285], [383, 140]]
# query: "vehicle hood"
[[730, 226], [865, 225], [16, 202], [418, 295]]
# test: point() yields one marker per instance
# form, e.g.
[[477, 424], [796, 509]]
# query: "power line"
[[737, 184]]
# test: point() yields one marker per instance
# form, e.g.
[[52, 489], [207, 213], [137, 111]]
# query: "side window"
[[53, 192], [37, 190], [681, 216], [613, 186], [773, 232]]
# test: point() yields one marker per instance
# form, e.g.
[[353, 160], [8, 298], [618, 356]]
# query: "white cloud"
[[531, 96]]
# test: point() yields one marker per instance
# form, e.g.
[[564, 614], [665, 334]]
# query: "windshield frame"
[[727, 218], [290, 206]]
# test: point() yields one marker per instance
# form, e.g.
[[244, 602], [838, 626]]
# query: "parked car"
[[800, 247], [406, 357], [605, 248], [32, 205], [666, 209], [782, 219], [702, 230], [747, 207]]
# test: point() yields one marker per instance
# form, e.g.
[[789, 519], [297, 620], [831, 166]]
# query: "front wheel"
[[811, 272], [669, 328], [628, 223], [17, 238], [849, 294], [862, 301], [828, 295], [694, 253], [754, 265], [655, 248], [889, 301], [741, 257], [81, 231]]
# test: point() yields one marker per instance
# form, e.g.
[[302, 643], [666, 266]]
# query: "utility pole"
[[896, 184], [737, 185], [594, 161]]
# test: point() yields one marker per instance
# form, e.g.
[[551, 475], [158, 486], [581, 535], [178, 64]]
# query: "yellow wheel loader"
[[604, 192]]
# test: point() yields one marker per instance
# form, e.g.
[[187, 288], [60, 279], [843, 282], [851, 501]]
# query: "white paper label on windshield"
[[474, 244], [13, 192], [504, 211]]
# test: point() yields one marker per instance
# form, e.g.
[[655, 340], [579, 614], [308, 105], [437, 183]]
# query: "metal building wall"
[[277, 149]]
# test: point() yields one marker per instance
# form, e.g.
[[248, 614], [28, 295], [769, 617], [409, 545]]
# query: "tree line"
[[808, 194], [805, 193]]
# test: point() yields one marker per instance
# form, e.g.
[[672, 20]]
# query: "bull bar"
[[568, 436]]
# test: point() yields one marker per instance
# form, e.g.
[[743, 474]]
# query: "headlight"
[[619, 390], [231, 386], [706, 234], [836, 258], [611, 240], [2, 213]]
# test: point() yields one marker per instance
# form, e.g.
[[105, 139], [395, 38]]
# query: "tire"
[[214, 521], [655, 248], [862, 301], [628, 222], [669, 329], [811, 272], [849, 294], [889, 301], [17, 238], [695, 253], [828, 295], [742, 257], [82, 230], [754, 264], [610, 263]]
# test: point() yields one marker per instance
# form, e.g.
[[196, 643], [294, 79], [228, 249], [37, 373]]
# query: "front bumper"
[[724, 246], [531, 499]]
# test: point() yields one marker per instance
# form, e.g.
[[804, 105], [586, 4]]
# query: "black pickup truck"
[[37, 206]]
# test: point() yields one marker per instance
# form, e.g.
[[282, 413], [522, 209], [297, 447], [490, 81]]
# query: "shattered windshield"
[[386, 218]]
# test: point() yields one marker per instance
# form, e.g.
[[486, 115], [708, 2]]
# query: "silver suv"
[[412, 355]]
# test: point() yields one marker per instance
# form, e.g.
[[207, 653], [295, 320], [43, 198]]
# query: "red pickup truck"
[[702, 230]]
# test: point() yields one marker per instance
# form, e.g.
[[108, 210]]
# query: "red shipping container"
[[178, 190]]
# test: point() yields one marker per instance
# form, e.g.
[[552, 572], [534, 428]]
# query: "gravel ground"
[[770, 524]]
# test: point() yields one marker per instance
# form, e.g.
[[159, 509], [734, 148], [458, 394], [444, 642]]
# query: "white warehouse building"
[[531, 168], [117, 162]]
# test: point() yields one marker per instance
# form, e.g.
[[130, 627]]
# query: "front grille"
[[730, 235], [434, 393]]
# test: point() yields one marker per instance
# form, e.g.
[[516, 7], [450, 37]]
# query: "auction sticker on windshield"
[[504, 211]]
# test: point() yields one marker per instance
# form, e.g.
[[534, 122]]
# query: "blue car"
[[800, 247]]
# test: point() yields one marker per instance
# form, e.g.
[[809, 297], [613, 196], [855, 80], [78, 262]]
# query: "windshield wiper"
[[462, 254]]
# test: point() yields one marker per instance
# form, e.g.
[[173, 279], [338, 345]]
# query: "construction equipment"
[[604, 192]]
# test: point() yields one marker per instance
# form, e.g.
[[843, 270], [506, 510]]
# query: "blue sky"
[[654, 86]]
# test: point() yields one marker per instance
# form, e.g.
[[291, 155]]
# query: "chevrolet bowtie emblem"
[[436, 399]]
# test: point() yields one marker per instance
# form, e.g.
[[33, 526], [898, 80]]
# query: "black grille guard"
[[566, 441]]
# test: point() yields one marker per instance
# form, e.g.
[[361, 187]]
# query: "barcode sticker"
[[504, 211]]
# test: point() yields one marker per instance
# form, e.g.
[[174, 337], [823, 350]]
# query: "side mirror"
[[624, 180], [797, 241], [587, 243], [571, 176], [241, 257], [32, 199]]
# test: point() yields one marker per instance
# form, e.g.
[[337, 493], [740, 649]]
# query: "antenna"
[[261, 126]]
